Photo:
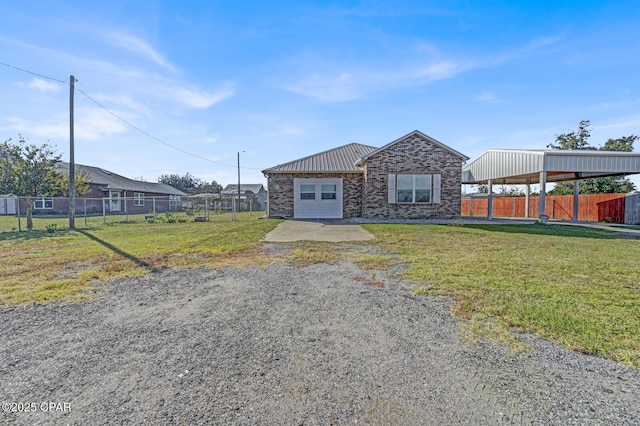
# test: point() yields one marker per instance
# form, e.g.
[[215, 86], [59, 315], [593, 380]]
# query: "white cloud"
[[44, 86], [91, 124], [488, 97], [439, 70], [327, 88], [137, 45], [195, 98]]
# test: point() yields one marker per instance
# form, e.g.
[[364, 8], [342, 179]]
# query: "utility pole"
[[72, 162], [238, 181]]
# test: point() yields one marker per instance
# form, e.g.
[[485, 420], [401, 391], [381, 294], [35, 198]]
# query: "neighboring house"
[[253, 193], [413, 177], [116, 193], [8, 204]]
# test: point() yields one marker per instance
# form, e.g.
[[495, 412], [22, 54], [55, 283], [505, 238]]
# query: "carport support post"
[[489, 199], [576, 198], [543, 194], [527, 193]]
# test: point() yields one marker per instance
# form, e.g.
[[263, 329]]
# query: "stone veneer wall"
[[412, 156], [280, 187]]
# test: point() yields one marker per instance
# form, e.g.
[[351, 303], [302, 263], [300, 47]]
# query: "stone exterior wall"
[[280, 190], [414, 155]]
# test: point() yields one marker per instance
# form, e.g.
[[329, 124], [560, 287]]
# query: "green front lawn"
[[38, 266], [577, 286]]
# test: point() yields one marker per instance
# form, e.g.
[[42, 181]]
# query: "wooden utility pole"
[[72, 162], [239, 182]]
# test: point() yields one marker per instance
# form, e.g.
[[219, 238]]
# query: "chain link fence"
[[53, 212]]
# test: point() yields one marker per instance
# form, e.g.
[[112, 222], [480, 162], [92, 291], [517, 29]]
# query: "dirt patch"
[[286, 345]]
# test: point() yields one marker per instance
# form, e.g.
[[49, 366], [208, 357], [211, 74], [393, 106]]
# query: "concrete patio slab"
[[325, 230]]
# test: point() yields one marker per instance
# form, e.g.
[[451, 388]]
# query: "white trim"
[[437, 188], [391, 184]]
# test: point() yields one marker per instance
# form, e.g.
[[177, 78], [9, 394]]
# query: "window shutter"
[[436, 189], [392, 188]]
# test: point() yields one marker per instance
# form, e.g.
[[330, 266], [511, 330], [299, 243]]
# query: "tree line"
[[190, 184]]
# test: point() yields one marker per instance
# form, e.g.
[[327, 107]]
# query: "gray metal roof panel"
[[337, 160], [244, 187], [110, 180], [519, 166]]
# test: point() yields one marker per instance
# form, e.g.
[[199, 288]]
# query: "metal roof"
[[421, 136], [232, 189], [109, 180], [337, 160], [517, 166]]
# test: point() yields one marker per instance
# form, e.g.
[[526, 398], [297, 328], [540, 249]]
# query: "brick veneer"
[[414, 155], [366, 194], [280, 187]]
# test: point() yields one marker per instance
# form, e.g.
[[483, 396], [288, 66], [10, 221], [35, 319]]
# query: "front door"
[[114, 200]]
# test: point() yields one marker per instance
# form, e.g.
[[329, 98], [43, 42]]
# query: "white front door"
[[318, 198], [114, 200]]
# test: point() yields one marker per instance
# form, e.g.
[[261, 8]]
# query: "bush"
[[51, 228]]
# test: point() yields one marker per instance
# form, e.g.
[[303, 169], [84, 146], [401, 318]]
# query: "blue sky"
[[280, 80]]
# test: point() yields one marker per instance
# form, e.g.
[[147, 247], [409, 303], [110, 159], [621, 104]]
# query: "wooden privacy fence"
[[591, 207]]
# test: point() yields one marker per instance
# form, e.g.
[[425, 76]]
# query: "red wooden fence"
[[591, 207]]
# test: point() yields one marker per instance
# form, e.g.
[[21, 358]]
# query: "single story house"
[[253, 193], [113, 192], [413, 177]]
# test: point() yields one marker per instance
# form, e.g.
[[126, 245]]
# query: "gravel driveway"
[[291, 346]]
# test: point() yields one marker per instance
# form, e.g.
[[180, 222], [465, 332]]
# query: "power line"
[[149, 135], [33, 73], [156, 138]]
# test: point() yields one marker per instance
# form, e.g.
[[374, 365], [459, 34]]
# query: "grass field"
[[38, 266], [577, 286]]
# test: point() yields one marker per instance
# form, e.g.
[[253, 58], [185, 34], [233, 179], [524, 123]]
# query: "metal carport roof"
[[520, 166], [525, 167]]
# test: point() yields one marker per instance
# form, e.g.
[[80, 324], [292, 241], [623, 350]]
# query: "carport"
[[527, 167]]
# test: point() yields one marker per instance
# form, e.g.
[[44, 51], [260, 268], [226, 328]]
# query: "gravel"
[[323, 344]]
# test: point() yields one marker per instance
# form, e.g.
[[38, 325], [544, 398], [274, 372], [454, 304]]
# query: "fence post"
[[18, 209], [85, 212], [206, 208], [104, 212], [153, 199]]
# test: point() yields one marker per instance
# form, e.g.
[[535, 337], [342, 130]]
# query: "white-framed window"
[[307, 192], [138, 199], [414, 189], [43, 203], [174, 200], [328, 192]]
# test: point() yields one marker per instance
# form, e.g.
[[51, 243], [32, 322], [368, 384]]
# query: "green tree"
[[623, 144], [209, 188], [186, 183], [574, 140], [29, 171], [580, 141]]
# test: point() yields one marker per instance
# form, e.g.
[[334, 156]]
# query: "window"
[[414, 189], [43, 203], [308, 192], [329, 192], [138, 199]]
